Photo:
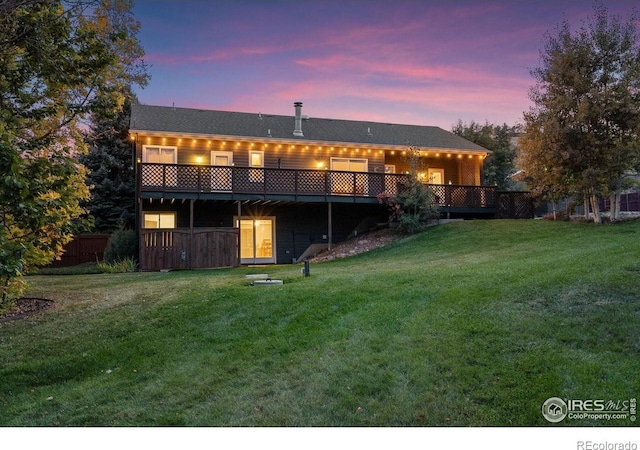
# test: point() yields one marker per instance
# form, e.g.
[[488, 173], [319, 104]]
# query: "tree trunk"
[[595, 207], [553, 209], [5, 291], [586, 207], [615, 196], [614, 212]]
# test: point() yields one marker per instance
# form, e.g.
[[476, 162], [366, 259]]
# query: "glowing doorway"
[[257, 240]]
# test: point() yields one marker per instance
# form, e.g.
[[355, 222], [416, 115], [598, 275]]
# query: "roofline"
[[272, 140]]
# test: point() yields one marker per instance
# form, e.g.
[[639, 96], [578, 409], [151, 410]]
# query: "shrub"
[[412, 207], [122, 245]]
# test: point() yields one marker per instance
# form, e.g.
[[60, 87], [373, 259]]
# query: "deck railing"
[[181, 178]]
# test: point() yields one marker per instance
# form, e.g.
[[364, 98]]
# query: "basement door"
[[257, 240]]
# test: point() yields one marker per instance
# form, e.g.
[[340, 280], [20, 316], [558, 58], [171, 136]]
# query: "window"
[[256, 160], [222, 174], [159, 155], [349, 184], [390, 182], [350, 164], [435, 176], [159, 220], [159, 175]]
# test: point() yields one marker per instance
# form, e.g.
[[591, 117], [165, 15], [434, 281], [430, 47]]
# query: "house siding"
[[464, 171], [284, 156]]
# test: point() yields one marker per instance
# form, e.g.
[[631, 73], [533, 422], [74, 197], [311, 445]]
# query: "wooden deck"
[[244, 183]]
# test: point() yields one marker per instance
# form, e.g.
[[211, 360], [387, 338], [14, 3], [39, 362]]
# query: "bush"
[[411, 224], [122, 245], [411, 208]]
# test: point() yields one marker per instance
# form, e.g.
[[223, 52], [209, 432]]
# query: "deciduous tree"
[[59, 61], [582, 134]]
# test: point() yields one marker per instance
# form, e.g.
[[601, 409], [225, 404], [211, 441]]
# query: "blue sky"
[[413, 62]]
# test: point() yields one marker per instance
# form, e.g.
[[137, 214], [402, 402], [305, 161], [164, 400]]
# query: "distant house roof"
[[225, 124]]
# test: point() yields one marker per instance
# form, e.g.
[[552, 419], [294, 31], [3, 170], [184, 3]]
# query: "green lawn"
[[469, 324]]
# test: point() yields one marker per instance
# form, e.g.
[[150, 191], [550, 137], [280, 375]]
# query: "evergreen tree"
[[111, 170], [499, 166]]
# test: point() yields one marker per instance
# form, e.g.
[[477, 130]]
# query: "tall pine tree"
[[110, 168]]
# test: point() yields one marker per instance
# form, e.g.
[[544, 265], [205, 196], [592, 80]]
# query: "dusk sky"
[[410, 62]]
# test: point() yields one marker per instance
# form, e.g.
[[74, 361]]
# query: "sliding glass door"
[[257, 240]]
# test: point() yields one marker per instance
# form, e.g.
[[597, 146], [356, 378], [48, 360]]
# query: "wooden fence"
[[515, 205], [184, 248], [83, 248]]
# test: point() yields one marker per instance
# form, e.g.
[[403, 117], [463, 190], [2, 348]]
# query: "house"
[[276, 186]]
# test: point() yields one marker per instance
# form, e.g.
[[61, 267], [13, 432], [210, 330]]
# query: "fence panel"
[[178, 248], [82, 249], [515, 205]]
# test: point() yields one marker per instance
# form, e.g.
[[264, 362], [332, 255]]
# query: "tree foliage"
[[110, 169], [581, 135], [59, 62], [499, 166], [413, 205]]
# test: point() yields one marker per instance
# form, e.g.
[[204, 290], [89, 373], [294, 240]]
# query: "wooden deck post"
[[330, 230], [191, 255], [239, 231], [141, 247]]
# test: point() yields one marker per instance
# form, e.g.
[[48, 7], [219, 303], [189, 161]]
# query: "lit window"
[[256, 160], [160, 220]]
